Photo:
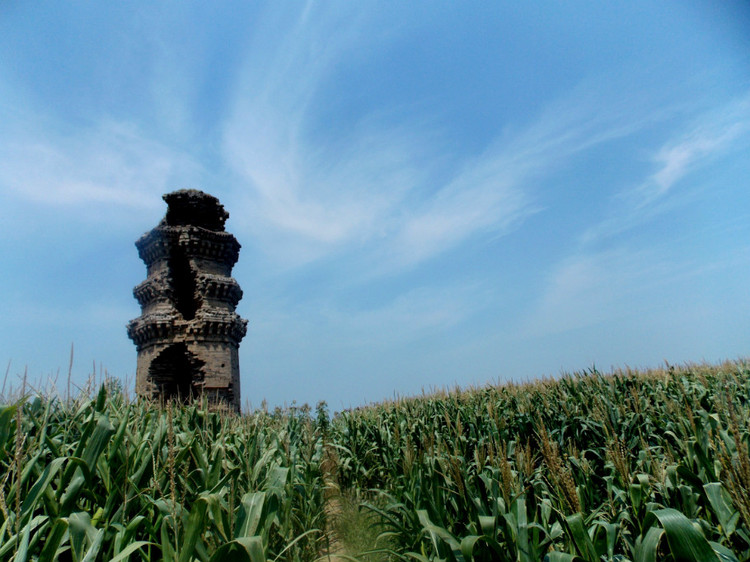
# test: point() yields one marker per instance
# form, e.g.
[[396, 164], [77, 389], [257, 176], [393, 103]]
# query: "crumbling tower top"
[[190, 207]]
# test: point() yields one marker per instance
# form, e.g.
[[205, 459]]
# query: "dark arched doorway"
[[176, 373]]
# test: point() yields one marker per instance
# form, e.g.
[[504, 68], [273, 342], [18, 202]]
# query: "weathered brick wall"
[[188, 334]]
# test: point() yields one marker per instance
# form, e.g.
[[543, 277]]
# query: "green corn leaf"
[[277, 478], [293, 542], [639, 490], [9, 545], [468, 544], [88, 429], [556, 556], [225, 480], [40, 536], [101, 435], [117, 440], [200, 456], [438, 534], [81, 475], [646, 548], [125, 535], [53, 540], [101, 399], [214, 473], [167, 549], [145, 466], [7, 415], [581, 538], [605, 543], [216, 513], [249, 517], [690, 477], [78, 524], [487, 525], [724, 554], [416, 556], [200, 552], [40, 486], [23, 548], [193, 529], [272, 511], [96, 544], [525, 548], [130, 549], [722, 506], [83, 533], [234, 551], [685, 541], [244, 549], [263, 462]]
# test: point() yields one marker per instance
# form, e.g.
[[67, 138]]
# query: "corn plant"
[[106, 479], [631, 466]]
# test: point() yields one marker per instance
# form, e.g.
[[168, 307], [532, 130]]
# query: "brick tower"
[[188, 333]]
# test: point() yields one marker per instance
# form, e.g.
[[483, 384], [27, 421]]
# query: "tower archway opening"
[[176, 374]]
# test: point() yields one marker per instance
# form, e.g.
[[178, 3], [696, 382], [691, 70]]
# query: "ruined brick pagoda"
[[188, 333]]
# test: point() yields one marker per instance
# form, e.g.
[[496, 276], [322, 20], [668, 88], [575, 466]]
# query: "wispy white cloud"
[[486, 196], [497, 190], [108, 166], [411, 315], [628, 284], [312, 196], [709, 136], [404, 318], [592, 288], [679, 156], [378, 187]]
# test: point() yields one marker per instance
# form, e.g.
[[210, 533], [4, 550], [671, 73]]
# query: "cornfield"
[[636, 465]]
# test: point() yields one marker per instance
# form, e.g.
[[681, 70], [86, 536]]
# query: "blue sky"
[[427, 194]]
